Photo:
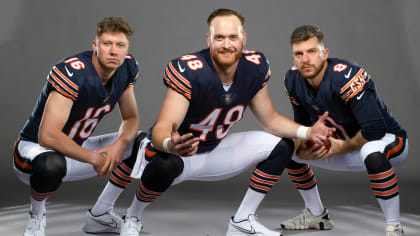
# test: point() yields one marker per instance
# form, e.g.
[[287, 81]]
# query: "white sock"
[[38, 207], [391, 209], [248, 205], [312, 200], [136, 208], [107, 199]]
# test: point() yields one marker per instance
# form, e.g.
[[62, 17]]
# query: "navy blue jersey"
[[349, 95], [75, 77], [212, 110]]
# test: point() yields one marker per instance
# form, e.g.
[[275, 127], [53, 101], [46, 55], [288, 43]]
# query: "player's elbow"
[[45, 138]]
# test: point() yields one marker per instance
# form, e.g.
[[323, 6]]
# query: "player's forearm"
[[60, 142], [159, 134], [282, 126], [353, 144], [128, 130]]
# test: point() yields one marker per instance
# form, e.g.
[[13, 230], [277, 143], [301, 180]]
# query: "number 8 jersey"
[[213, 109], [75, 77]]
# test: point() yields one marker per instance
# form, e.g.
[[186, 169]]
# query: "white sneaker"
[[109, 222], [394, 230], [131, 226], [307, 220], [36, 225], [249, 226]]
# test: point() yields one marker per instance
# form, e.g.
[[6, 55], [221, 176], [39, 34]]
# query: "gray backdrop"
[[380, 35]]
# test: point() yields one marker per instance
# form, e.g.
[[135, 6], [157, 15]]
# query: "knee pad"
[[49, 169], [279, 157], [377, 163], [166, 165]]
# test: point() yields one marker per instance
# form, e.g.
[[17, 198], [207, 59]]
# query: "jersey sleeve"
[[133, 70], [63, 79], [176, 76], [300, 115], [358, 91]]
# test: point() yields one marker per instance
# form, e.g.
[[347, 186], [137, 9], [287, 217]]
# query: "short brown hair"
[[114, 24], [306, 32], [225, 12]]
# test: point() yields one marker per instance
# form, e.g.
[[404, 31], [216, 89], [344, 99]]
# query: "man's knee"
[[49, 169], [376, 162], [166, 165], [279, 157]]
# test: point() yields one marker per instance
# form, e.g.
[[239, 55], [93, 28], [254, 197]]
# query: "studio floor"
[[204, 208]]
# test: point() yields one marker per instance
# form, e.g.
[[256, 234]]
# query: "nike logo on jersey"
[[348, 74], [360, 96], [180, 68], [68, 72]]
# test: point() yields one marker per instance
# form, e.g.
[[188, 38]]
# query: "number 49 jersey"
[[213, 110], [349, 95], [76, 78]]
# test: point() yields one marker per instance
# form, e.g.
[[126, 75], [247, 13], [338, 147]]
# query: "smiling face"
[[226, 39], [110, 49], [309, 57]]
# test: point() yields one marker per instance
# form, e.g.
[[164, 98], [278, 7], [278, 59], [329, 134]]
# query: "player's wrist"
[[166, 144], [302, 132]]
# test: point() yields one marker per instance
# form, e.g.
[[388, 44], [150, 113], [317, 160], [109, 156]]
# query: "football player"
[[207, 93], [55, 144], [367, 137]]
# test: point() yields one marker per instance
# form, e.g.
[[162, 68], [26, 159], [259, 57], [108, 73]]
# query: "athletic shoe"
[[36, 225], [109, 222], [249, 226], [394, 230], [131, 226], [307, 220]]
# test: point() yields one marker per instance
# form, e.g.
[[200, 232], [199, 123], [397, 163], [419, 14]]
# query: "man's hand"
[[312, 152], [112, 155], [319, 132], [185, 145]]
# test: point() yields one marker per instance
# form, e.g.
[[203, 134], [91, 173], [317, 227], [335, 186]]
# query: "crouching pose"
[[55, 143], [367, 137], [207, 93]]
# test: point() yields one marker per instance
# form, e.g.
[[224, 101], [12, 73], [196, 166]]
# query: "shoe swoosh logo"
[[251, 231], [112, 224], [348, 74], [180, 68], [68, 72], [360, 96]]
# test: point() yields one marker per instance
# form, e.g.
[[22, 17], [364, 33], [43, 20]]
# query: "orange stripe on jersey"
[[384, 185], [175, 81], [303, 169], [259, 187], [267, 175], [382, 175], [352, 80], [396, 148], [179, 75], [62, 92], [65, 78], [387, 193], [176, 89], [57, 80]]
